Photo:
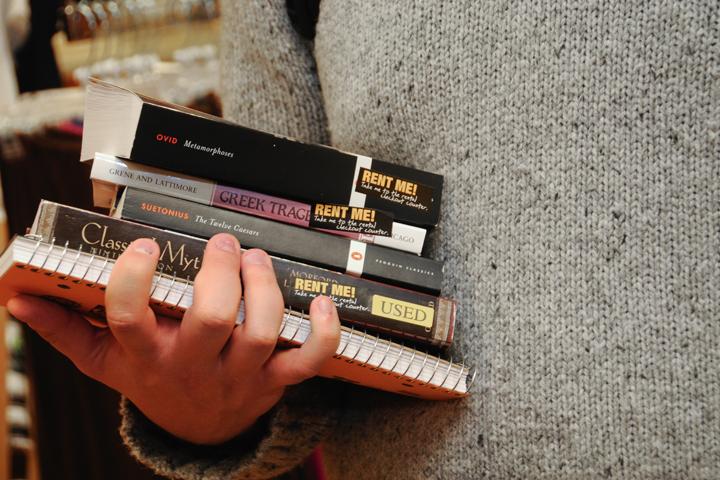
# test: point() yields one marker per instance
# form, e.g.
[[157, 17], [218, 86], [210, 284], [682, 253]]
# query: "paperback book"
[[125, 124]]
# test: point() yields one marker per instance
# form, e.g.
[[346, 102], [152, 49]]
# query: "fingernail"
[[226, 243], [325, 305], [11, 304], [144, 245], [256, 257]]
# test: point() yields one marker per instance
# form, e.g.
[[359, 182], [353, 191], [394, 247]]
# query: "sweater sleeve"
[[281, 439]]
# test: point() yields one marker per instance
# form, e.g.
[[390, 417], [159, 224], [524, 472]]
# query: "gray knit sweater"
[[580, 144]]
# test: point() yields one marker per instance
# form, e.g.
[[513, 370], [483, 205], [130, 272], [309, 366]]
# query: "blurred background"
[[58, 423]]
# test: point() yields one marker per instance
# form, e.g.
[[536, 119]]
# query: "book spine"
[[107, 237], [367, 304], [209, 148], [113, 170], [370, 304], [286, 241]]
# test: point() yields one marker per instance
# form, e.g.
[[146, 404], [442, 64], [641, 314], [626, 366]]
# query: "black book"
[[122, 123], [363, 303], [287, 241]]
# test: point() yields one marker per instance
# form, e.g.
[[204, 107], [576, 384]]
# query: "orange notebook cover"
[[77, 280]]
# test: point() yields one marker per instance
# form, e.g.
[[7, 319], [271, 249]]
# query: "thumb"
[[67, 331]]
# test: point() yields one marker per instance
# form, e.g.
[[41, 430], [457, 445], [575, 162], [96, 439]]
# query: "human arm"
[[204, 379]]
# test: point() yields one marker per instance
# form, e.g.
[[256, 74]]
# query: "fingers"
[[209, 322], [254, 341], [295, 365], [129, 316], [67, 331]]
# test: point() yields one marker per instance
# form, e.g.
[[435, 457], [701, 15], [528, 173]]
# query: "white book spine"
[[404, 237], [114, 170]]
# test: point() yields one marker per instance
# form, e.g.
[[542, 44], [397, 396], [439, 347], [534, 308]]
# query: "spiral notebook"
[[78, 279]]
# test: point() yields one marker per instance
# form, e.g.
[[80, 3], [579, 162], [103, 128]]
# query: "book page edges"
[[44, 222], [104, 193], [445, 322], [111, 118]]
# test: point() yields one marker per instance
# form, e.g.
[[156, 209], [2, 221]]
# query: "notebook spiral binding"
[[290, 316]]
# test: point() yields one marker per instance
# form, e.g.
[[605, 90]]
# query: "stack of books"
[[336, 224]]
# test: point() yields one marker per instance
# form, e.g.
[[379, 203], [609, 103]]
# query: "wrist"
[[247, 438]]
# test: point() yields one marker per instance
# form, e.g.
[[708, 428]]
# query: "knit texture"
[[580, 144], [273, 82], [282, 439], [580, 231]]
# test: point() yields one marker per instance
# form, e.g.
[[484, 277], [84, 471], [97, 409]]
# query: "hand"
[[204, 379]]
